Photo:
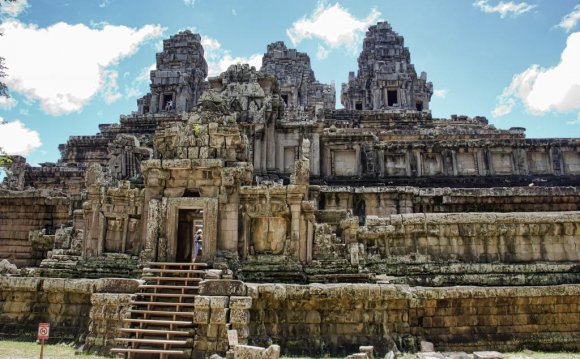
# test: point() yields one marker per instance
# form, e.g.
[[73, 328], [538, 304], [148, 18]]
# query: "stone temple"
[[324, 229]]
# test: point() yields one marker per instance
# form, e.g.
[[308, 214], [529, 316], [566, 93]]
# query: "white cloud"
[[75, 60], [546, 89], [440, 93], [145, 74], [13, 8], [7, 102], [218, 59], [104, 3], [504, 8], [569, 21], [189, 2], [322, 52], [16, 139], [574, 122], [110, 89], [332, 24]]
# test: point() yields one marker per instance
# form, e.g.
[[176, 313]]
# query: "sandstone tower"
[[386, 79]]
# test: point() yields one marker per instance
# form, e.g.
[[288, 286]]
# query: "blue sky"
[[75, 64]]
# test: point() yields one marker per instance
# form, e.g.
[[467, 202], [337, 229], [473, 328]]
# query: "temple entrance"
[[392, 97], [190, 220]]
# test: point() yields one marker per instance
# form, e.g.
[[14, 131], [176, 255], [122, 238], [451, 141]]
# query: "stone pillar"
[[295, 229], [271, 147], [315, 155], [258, 154], [228, 228], [154, 105]]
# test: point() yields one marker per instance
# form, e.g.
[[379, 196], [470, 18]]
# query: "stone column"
[[315, 155], [271, 147], [228, 229], [295, 229], [154, 105], [257, 154]]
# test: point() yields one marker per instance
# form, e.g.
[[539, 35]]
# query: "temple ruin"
[[323, 229]]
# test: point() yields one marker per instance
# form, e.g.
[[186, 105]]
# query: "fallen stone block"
[[368, 349], [487, 355], [426, 346]]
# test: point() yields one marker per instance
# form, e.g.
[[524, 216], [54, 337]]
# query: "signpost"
[[43, 331]]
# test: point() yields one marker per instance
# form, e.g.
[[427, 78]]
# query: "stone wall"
[[75, 309], [25, 302], [320, 319], [23, 212]]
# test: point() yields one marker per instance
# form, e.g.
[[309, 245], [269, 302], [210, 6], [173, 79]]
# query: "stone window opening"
[[392, 98], [285, 99], [145, 109], [419, 106], [358, 106]]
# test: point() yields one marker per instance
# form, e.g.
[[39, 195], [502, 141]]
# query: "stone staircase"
[[160, 324]]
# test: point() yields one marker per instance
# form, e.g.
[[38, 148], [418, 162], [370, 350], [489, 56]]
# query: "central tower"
[[386, 78]]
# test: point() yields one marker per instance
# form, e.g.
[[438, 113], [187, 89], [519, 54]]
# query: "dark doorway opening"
[[145, 109], [359, 210], [168, 102], [358, 106], [285, 98], [190, 220], [419, 106], [392, 97]]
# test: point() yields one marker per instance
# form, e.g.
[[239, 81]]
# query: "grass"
[[31, 350]]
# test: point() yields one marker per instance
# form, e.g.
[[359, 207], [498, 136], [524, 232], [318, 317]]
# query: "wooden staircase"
[[161, 315]]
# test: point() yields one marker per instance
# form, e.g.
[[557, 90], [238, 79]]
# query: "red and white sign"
[[43, 330]]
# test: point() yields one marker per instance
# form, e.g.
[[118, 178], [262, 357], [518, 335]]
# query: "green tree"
[[3, 87]]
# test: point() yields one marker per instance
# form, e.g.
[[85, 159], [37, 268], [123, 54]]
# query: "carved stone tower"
[[386, 78], [177, 83]]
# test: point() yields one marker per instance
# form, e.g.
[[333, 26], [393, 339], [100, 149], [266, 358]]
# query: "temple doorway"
[[190, 220]]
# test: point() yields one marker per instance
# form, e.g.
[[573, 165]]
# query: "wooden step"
[[177, 279], [148, 351], [158, 322], [156, 331], [181, 271], [161, 304], [152, 341], [161, 286], [160, 312], [167, 295], [173, 264]]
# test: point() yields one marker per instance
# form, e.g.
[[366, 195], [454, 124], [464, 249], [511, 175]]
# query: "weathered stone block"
[[487, 355], [202, 302], [222, 287], [240, 302], [218, 302], [201, 316], [219, 316], [239, 316]]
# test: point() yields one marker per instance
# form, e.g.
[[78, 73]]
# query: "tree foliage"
[[3, 87]]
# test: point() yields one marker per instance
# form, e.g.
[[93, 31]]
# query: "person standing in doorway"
[[197, 240]]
